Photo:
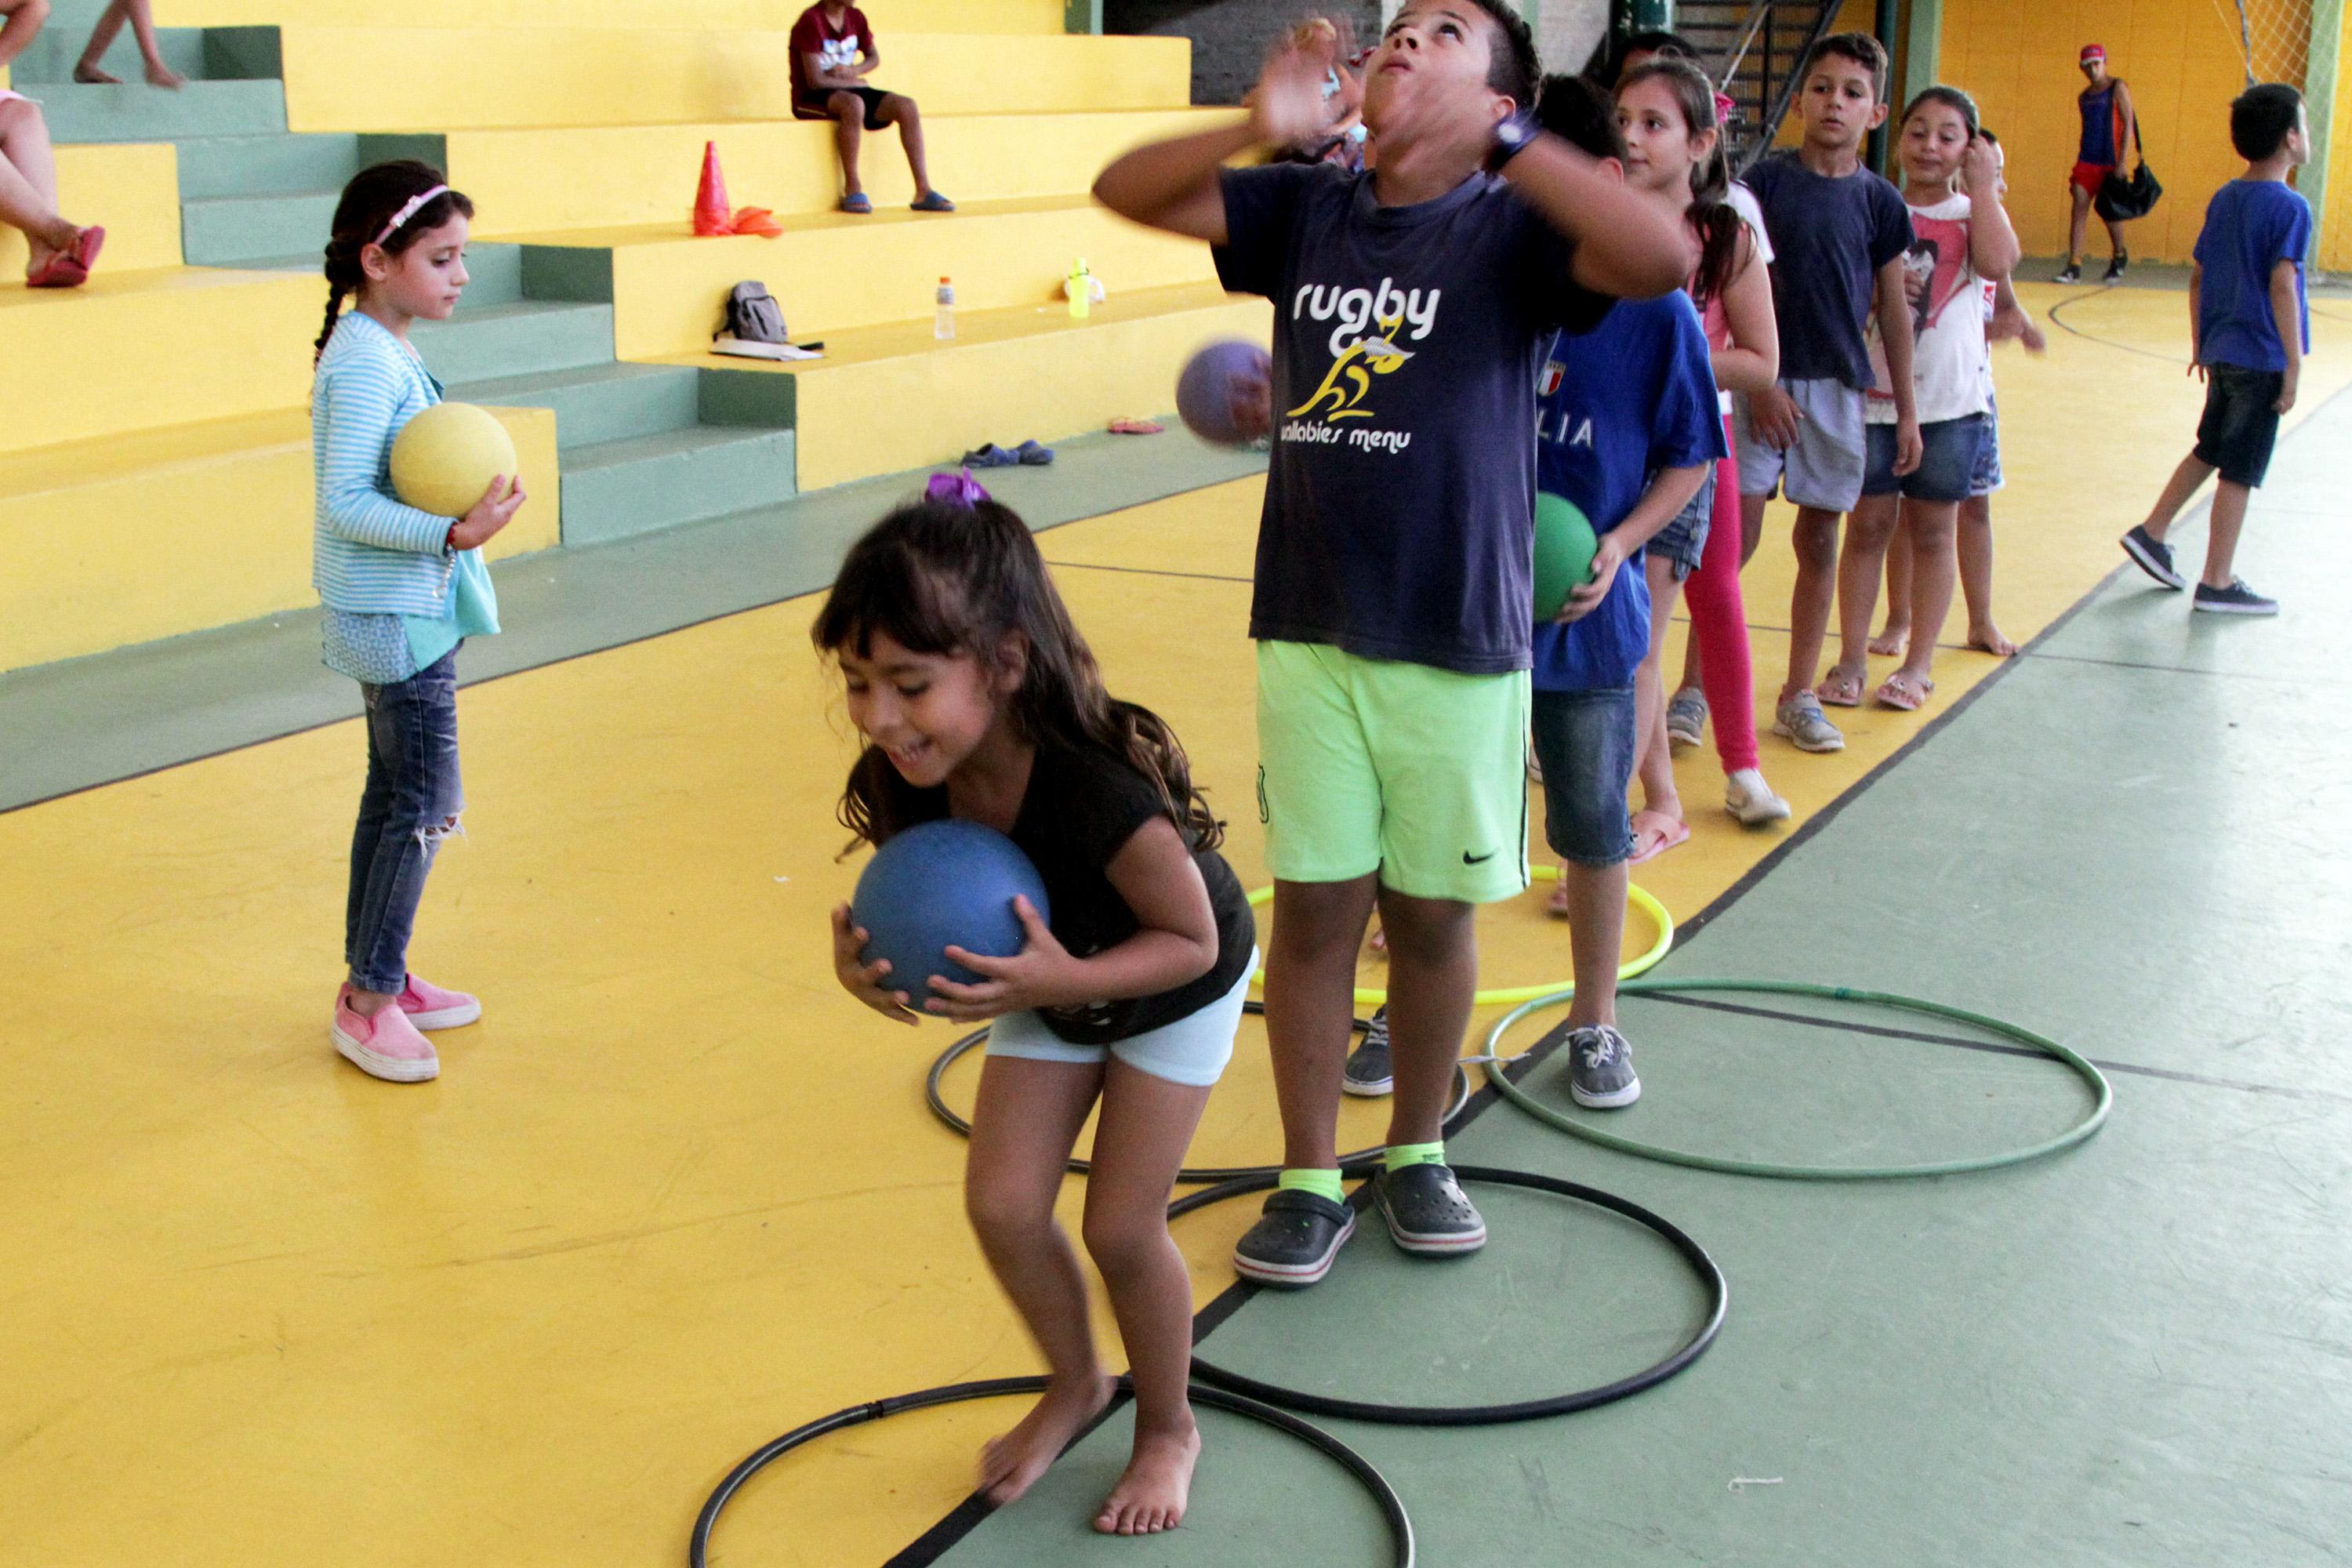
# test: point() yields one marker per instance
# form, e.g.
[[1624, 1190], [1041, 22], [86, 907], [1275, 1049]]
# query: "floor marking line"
[[1149, 571], [2190, 669]]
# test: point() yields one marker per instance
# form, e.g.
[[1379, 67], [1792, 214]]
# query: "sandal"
[[1654, 833], [69, 268], [1904, 690], [861, 203], [1033, 455], [1137, 427], [934, 203], [1841, 688], [991, 456]]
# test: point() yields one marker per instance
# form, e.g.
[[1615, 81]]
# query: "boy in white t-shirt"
[[1962, 237]]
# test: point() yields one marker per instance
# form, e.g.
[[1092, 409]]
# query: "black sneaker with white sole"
[[2153, 556], [1293, 1240], [2071, 273], [1368, 1072], [1427, 1213], [2116, 264], [1601, 1069], [2237, 599]]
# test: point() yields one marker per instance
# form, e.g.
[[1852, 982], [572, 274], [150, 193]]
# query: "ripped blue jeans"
[[410, 807]]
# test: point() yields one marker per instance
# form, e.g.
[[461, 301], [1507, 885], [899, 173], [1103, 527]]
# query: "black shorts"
[[816, 104], [2241, 422]]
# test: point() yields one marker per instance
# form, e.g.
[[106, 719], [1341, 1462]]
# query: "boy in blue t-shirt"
[[1628, 429], [1395, 558], [1839, 234], [2249, 322]]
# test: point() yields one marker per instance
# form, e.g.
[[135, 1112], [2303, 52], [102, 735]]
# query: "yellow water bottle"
[[1080, 287]]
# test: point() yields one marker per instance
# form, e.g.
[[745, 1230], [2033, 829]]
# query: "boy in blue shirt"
[[1628, 429], [1839, 234], [1395, 559], [2249, 322]]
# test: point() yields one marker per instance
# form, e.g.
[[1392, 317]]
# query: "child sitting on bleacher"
[[61, 252], [832, 54]]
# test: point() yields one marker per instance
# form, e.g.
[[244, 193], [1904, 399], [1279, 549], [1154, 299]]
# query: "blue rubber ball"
[[942, 883], [1212, 381]]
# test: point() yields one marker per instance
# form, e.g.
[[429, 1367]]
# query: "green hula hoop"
[[1636, 897], [1545, 1113]]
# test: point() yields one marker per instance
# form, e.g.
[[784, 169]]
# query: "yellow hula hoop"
[[1636, 897]]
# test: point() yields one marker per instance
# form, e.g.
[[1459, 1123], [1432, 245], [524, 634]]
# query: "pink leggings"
[[1719, 619]]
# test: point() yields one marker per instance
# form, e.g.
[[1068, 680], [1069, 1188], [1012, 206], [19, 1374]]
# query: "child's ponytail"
[[380, 206]]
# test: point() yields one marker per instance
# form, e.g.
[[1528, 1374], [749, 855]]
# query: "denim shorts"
[[1986, 478], [1947, 461], [1584, 742], [1683, 541], [1823, 469], [1193, 1051], [2241, 423]]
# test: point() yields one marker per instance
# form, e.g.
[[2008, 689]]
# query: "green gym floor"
[[676, 1195]]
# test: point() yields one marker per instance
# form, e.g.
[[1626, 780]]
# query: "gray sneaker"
[[2153, 556], [1293, 1240], [1601, 1069], [2237, 599], [1427, 1213], [1800, 719], [1685, 718], [1368, 1073]]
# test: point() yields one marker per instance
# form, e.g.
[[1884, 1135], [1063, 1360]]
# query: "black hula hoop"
[[962, 1048], [1486, 1415], [1383, 1495]]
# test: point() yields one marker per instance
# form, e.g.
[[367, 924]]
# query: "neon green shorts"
[[1371, 765]]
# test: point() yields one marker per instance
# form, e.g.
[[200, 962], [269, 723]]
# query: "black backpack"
[[2122, 199], [753, 316]]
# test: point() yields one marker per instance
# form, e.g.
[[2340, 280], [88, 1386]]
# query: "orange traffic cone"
[[711, 213]]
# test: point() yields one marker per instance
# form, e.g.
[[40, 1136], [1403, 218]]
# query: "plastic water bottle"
[[943, 326], [1080, 287]]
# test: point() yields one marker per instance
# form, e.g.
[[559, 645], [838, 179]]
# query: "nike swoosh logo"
[[1470, 859]]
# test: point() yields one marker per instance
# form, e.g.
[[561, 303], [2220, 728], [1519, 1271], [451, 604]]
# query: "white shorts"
[[1193, 1051]]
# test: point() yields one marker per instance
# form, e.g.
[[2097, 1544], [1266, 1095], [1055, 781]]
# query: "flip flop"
[[1670, 834], [1137, 427], [86, 248], [860, 204], [757, 220], [992, 456], [1033, 455], [1896, 691], [934, 203], [1840, 688], [59, 271]]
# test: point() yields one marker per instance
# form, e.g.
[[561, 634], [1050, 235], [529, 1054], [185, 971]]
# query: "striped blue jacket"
[[371, 553]]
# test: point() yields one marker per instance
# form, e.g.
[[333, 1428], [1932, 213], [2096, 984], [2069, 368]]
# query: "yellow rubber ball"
[[444, 460]]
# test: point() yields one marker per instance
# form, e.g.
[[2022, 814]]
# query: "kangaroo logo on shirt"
[[1369, 330]]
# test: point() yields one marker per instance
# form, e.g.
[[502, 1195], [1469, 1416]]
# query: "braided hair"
[[372, 200]]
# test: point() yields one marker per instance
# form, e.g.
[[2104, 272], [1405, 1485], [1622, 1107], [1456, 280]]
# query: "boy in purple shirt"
[[2249, 322]]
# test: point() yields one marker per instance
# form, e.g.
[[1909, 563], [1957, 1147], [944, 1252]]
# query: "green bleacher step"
[[485, 342], [284, 164], [143, 113], [618, 489], [233, 231], [596, 404], [54, 52]]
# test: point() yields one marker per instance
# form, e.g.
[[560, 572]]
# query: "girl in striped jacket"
[[403, 589]]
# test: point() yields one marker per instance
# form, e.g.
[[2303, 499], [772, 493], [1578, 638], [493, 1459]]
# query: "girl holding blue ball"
[[980, 700]]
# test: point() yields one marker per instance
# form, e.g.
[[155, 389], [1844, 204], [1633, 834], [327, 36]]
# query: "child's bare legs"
[[1816, 543], [29, 185], [1894, 638], [1929, 525], [1594, 897], [1146, 1125], [848, 112], [1028, 1115], [2226, 520], [1868, 532], [1433, 975], [897, 109], [2192, 472], [140, 14], [1657, 766], [1975, 550], [1310, 969]]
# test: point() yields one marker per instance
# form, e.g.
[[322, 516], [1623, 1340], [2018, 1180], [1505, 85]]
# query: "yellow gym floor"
[[676, 1193]]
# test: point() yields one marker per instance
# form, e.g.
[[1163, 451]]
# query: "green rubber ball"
[[1565, 546]]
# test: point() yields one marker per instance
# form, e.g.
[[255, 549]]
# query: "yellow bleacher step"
[[607, 177], [888, 16], [131, 348], [133, 189], [834, 272], [410, 79], [891, 397], [157, 532]]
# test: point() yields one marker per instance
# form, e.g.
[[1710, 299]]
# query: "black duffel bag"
[[2120, 200]]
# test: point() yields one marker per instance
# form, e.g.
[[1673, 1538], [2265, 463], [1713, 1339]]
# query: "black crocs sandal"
[[1295, 1240], [1427, 1213]]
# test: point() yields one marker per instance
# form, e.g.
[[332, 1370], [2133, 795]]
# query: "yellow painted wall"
[[2335, 223]]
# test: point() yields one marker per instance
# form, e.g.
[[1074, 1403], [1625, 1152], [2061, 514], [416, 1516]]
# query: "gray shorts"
[[1823, 469]]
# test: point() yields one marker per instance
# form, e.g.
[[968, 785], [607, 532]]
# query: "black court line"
[[2058, 319], [1147, 572], [1991, 1048], [2190, 669]]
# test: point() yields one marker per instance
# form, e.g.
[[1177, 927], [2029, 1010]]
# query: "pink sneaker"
[[428, 1005], [386, 1045]]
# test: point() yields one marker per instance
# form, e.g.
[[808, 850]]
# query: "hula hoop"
[[937, 1100], [2104, 1094], [1636, 896], [1383, 1495], [1487, 1415]]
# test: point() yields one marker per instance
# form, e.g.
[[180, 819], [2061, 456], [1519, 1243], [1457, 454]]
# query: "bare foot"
[[90, 76], [1986, 638], [164, 76], [1892, 643], [1010, 1465], [1150, 1497]]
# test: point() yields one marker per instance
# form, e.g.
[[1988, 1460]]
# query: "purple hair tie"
[[959, 488]]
